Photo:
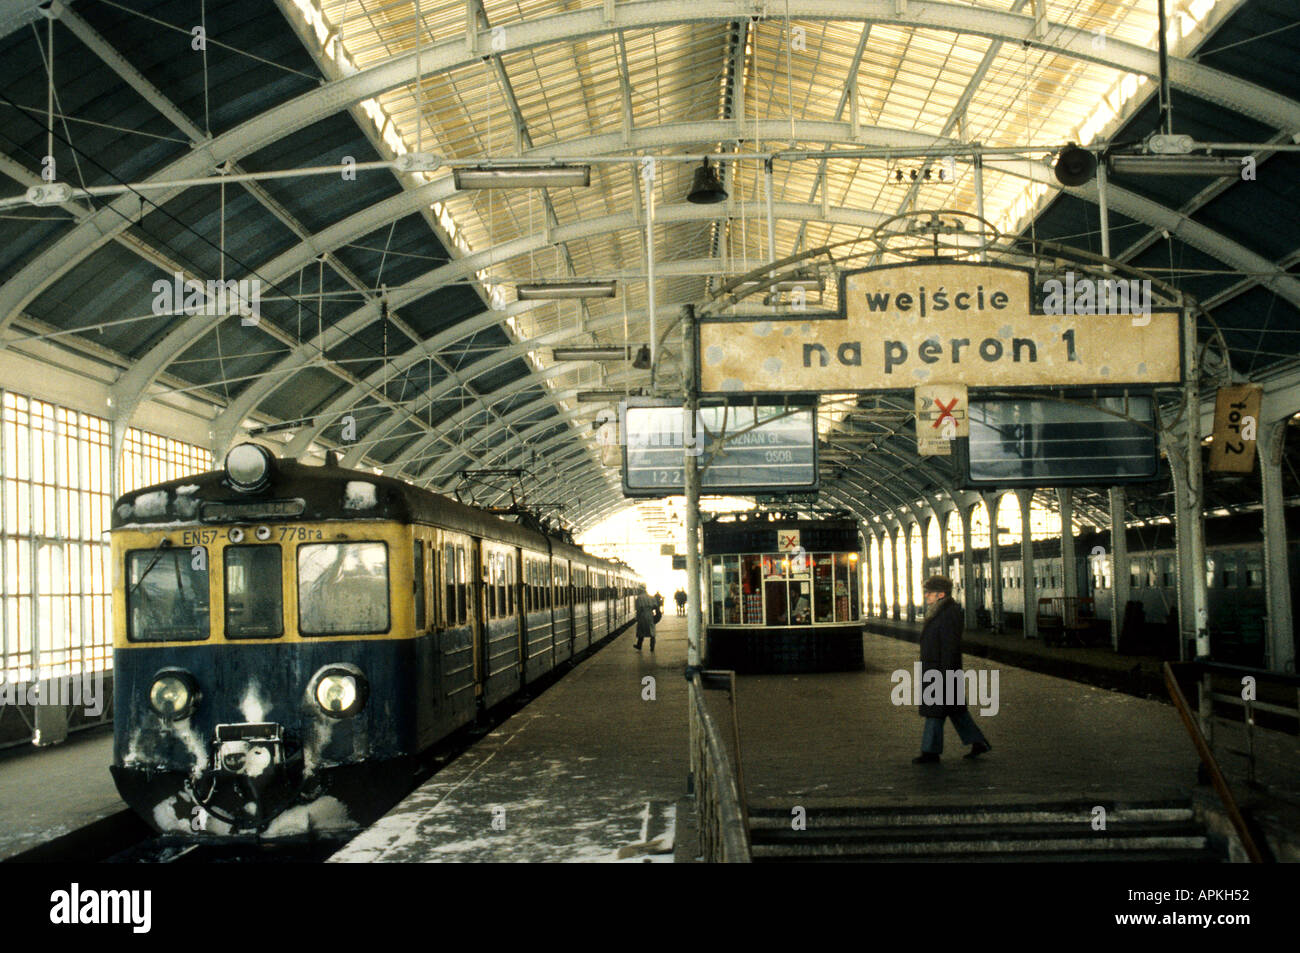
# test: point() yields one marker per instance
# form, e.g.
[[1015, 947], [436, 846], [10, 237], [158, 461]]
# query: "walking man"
[[941, 652], [680, 598], [647, 607]]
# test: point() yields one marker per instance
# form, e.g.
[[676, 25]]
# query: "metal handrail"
[[1212, 766], [724, 835]]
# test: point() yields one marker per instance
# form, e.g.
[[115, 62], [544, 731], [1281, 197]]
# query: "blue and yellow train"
[[290, 638]]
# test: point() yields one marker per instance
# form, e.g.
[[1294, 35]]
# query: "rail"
[[1211, 766], [719, 808]]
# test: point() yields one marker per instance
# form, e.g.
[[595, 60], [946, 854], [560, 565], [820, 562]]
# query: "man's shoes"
[[977, 749], [637, 646], [926, 758]]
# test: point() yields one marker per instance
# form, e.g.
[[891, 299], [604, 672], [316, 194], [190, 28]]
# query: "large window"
[[167, 595], [254, 604], [342, 588], [55, 502], [779, 590]]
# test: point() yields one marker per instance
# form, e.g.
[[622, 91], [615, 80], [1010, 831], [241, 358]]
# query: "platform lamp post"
[[690, 453]]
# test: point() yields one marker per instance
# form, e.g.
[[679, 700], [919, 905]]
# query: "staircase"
[[1019, 833]]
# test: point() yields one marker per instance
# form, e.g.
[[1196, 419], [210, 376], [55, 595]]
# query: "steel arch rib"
[[1255, 101]]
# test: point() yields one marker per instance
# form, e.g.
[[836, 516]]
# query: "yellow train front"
[[289, 638]]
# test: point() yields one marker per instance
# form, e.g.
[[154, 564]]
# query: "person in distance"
[[647, 609]]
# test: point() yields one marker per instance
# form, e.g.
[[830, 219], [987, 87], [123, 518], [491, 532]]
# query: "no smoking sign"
[[941, 416]]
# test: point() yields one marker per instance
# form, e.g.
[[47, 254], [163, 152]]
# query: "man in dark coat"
[[647, 607], [941, 652]]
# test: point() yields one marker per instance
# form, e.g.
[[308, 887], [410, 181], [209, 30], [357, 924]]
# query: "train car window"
[[462, 587], [501, 585], [491, 573], [449, 580], [1167, 572], [1135, 574], [166, 596], [1210, 573], [435, 583], [1229, 572], [417, 571], [254, 593], [343, 588]]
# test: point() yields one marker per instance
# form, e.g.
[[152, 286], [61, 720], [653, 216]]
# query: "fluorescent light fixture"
[[785, 284], [547, 290], [593, 353], [523, 177], [1220, 166], [599, 396]]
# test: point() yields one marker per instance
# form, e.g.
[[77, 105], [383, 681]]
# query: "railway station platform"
[[46, 793], [591, 770]]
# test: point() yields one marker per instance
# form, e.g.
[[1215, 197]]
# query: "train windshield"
[[342, 588], [167, 595], [254, 603]]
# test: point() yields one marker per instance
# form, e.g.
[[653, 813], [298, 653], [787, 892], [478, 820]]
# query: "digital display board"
[[1044, 443], [744, 449]]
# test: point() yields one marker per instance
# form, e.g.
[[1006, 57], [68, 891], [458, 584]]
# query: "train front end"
[[261, 668]]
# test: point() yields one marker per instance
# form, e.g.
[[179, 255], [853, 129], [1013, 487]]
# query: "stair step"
[[1190, 856], [835, 818], [981, 848], [973, 832]]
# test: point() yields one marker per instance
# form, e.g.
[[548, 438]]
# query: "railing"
[[1212, 767], [719, 808], [1244, 700]]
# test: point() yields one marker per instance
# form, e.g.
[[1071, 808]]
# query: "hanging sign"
[[967, 323], [1236, 422], [941, 417]]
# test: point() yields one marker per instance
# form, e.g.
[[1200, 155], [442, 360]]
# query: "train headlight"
[[173, 695], [248, 467], [340, 692]]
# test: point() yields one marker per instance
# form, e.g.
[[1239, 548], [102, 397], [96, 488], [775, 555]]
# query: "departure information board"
[[743, 449], [1051, 443]]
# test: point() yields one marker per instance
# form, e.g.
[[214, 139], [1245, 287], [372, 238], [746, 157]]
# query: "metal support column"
[[1119, 568], [884, 594], [911, 574], [1200, 621], [1281, 646], [1028, 579], [1184, 515], [692, 480], [944, 567], [1069, 562], [995, 562], [967, 566], [866, 578], [893, 574]]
